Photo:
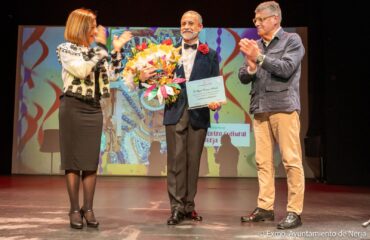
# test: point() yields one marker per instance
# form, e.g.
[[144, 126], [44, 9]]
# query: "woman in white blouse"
[[86, 73]]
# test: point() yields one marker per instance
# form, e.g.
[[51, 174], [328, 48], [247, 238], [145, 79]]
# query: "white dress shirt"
[[187, 59]]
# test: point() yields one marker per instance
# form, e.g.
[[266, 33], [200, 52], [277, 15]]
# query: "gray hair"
[[271, 6], [200, 19]]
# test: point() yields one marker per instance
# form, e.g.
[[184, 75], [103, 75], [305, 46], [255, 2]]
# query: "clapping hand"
[[251, 51], [250, 48], [119, 42], [101, 36]]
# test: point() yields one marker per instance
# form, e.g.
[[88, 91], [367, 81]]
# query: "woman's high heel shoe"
[[75, 219], [89, 217]]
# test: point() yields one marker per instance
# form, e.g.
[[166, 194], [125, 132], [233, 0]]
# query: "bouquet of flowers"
[[164, 58]]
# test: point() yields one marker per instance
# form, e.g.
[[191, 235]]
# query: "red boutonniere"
[[167, 42], [203, 48]]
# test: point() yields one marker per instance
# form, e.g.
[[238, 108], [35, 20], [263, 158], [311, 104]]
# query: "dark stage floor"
[[35, 207]]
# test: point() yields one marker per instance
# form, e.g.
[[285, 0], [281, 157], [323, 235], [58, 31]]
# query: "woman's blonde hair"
[[78, 26]]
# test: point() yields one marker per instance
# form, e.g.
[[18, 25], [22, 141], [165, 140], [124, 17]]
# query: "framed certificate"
[[204, 91]]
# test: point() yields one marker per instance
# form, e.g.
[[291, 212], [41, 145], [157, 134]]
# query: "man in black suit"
[[186, 129]]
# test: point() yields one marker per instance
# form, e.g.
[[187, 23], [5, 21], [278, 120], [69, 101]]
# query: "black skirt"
[[80, 130]]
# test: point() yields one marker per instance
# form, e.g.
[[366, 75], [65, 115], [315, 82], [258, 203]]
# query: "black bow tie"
[[193, 46]]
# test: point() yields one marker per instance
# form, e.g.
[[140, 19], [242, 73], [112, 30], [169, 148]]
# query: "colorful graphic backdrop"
[[133, 141]]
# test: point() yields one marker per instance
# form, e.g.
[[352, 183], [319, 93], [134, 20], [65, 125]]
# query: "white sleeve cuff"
[[251, 72]]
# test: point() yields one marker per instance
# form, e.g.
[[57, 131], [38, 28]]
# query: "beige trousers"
[[282, 128]]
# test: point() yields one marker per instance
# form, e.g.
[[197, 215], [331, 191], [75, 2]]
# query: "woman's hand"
[[119, 42], [101, 36]]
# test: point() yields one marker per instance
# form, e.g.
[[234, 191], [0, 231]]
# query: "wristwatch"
[[260, 59]]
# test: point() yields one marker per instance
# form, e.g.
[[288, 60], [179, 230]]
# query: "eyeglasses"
[[261, 19]]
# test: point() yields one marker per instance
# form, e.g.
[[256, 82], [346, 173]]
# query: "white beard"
[[189, 35]]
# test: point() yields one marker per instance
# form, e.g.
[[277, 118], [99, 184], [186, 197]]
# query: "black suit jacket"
[[205, 66]]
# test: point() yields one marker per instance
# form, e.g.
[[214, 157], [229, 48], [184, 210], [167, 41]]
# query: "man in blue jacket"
[[186, 129], [273, 66]]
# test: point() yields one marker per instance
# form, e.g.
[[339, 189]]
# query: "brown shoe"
[[75, 219], [259, 215], [89, 217]]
